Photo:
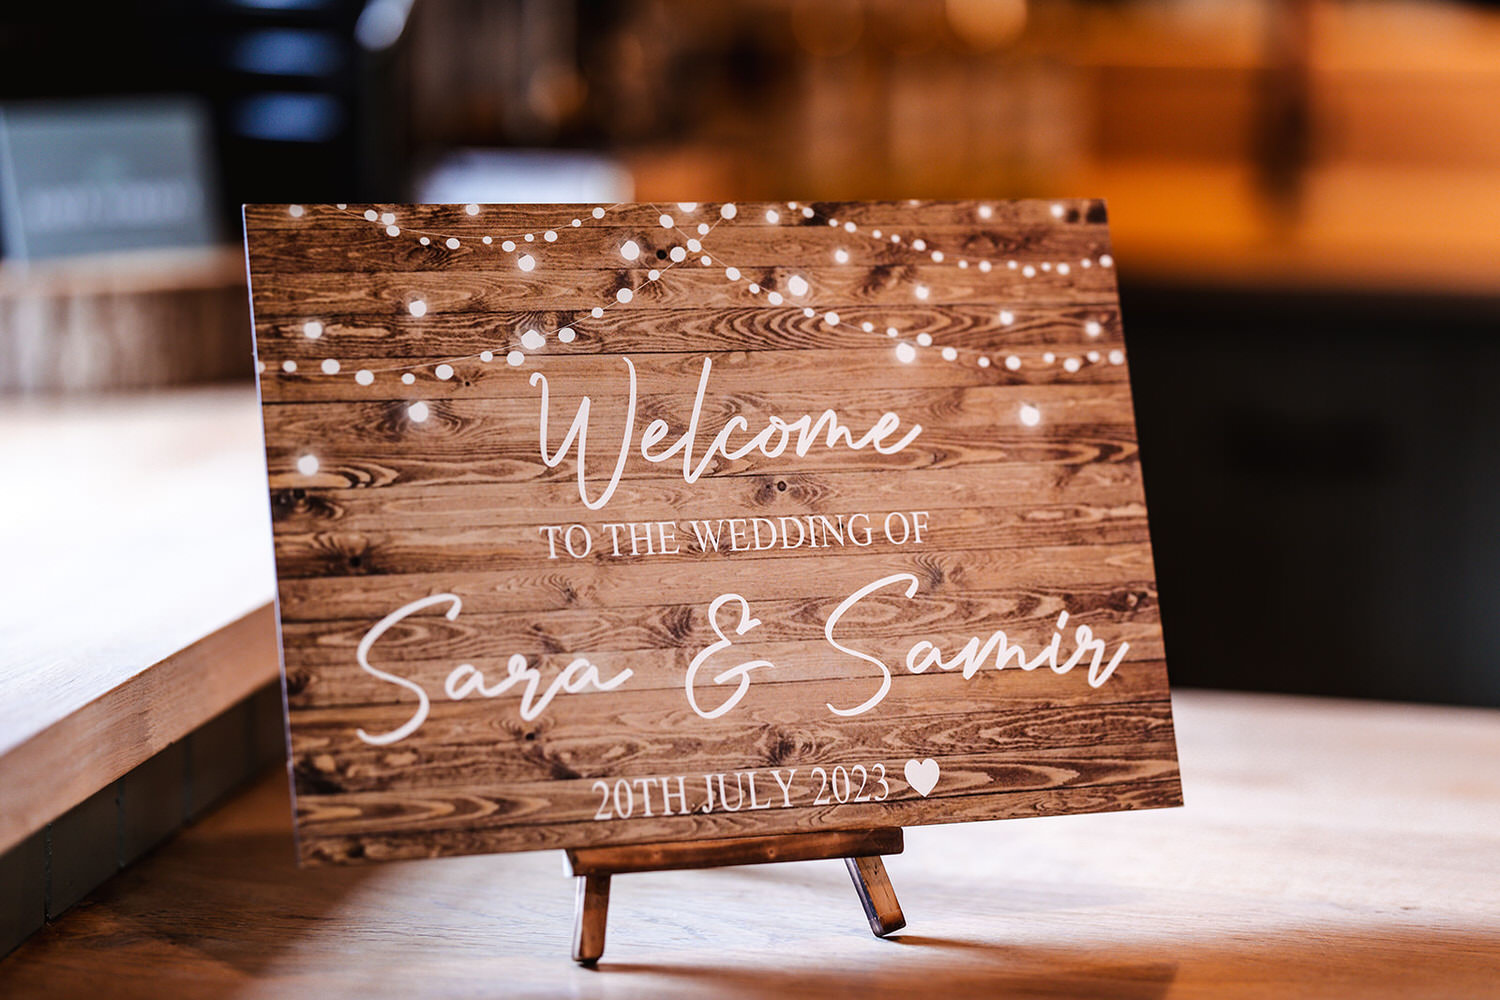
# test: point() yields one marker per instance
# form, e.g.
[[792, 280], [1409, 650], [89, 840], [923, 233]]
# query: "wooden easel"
[[860, 849]]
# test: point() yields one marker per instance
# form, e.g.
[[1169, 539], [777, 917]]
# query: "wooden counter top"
[[136, 585], [1327, 849]]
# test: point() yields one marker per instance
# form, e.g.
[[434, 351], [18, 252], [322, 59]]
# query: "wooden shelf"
[[135, 602], [1327, 849]]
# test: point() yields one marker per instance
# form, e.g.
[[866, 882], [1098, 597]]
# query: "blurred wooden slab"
[[134, 601]]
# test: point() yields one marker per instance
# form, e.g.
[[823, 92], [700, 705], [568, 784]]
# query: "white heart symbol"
[[922, 775]]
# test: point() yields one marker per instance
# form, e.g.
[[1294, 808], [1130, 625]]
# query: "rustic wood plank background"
[[396, 344]]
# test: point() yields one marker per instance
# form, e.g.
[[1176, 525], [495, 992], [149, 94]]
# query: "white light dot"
[[925, 339], [308, 465], [984, 362], [1007, 317], [937, 256], [1072, 364], [950, 354], [831, 318], [1029, 271], [371, 214], [754, 288], [1049, 357], [985, 211], [694, 246], [533, 340], [791, 204], [1092, 328], [330, 366], [867, 326], [841, 255], [963, 264], [891, 331], [797, 285], [425, 241], [514, 358], [341, 206], [596, 312], [1030, 415], [550, 236], [687, 206], [408, 378], [529, 237], [875, 233], [666, 221], [653, 274], [727, 210], [443, 372], [905, 352], [312, 329], [919, 244], [706, 260], [1057, 210], [388, 217], [848, 227], [488, 240], [417, 307], [1117, 357], [472, 209], [1013, 363], [630, 250], [418, 411], [451, 243], [1011, 264], [921, 291], [566, 334], [289, 366], [624, 295], [576, 223], [807, 213], [985, 266], [772, 215], [1063, 269], [260, 367], [393, 230], [597, 213], [732, 273], [703, 228], [1046, 265], [1085, 263], [364, 376], [1093, 357], [508, 246], [678, 255], [895, 237], [295, 211], [1105, 260], [526, 262], [486, 356]]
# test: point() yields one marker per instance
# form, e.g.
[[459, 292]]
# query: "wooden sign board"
[[633, 523]]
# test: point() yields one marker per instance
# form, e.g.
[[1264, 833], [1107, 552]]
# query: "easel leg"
[[590, 913], [875, 895]]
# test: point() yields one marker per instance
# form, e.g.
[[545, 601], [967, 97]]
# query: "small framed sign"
[[615, 524]]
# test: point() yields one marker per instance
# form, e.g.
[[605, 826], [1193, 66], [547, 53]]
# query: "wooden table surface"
[[1327, 849], [135, 585]]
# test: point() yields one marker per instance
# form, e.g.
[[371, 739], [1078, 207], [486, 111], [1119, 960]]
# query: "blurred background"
[[1304, 196]]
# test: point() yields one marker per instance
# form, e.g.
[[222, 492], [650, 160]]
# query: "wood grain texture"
[[1328, 850], [407, 356]]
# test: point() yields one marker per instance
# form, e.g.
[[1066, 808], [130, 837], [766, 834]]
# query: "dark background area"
[[1305, 199]]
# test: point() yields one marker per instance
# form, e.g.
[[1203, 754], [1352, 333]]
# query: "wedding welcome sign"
[[634, 523]]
